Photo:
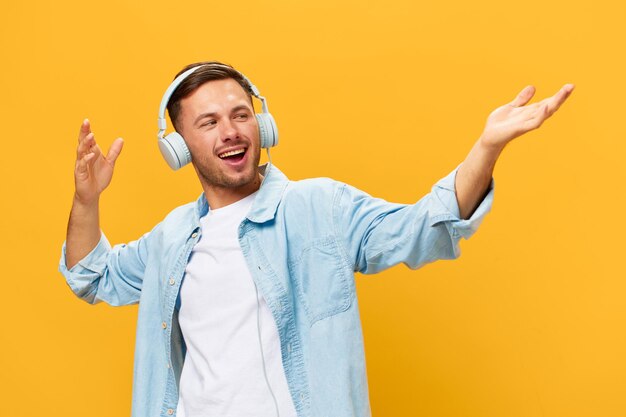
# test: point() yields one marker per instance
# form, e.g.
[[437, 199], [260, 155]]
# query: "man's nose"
[[228, 130]]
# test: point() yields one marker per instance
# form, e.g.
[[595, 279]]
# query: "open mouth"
[[234, 155]]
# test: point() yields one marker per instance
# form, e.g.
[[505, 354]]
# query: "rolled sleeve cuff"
[[447, 207], [95, 261]]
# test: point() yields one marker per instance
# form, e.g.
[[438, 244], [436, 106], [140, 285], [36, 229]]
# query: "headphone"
[[172, 145]]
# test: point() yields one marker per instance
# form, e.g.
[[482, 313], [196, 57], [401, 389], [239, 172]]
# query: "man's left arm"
[[503, 125]]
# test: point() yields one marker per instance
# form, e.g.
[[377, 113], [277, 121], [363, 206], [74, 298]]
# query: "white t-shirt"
[[223, 374]]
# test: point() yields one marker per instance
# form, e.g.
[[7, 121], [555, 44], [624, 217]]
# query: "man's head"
[[212, 110], [208, 71]]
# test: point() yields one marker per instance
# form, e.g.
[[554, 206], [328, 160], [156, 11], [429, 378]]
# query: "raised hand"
[[516, 118], [92, 174], [93, 170]]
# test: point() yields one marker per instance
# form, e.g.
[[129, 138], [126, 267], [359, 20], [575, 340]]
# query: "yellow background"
[[387, 96]]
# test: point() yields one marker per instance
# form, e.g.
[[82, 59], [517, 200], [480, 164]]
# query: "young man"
[[247, 303]]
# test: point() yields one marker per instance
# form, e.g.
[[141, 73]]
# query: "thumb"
[[524, 96], [115, 150]]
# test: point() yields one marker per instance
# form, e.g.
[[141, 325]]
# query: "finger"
[[88, 145], [524, 96], [96, 150], [114, 150], [94, 155], [84, 147], [559, 98], [82, 165], [85, 129]]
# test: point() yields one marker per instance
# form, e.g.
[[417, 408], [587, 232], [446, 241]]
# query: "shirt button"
[[170, 411], [289, 348], [164, 325], [168, 366], [194, 234], [172, 281], [302, 396]]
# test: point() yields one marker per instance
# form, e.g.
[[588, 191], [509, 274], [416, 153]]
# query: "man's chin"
[[232, 181]]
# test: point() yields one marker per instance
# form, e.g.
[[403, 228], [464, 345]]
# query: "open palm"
[[516, 118], [94, 170]]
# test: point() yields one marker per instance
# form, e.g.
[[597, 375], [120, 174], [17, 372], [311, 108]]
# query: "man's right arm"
[[92, 174], [93, 269]]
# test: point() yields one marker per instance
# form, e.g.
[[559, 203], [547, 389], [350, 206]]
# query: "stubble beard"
[[213, 177]]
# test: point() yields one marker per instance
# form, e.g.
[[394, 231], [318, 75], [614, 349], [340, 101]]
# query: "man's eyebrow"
[[203, 115], [239, 107], [213, 114]]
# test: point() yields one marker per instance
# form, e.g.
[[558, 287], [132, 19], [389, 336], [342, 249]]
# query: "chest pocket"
[[323, 282]]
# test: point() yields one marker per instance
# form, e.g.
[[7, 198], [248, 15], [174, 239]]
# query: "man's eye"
[[208, 123], [242, 116]]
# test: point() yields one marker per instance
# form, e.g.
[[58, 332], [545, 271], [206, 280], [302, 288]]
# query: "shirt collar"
[[267, 200]]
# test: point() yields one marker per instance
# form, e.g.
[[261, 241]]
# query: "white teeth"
[[231, 153]]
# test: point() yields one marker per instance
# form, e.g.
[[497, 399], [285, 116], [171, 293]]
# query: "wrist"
[[86, 203], [489, 147]]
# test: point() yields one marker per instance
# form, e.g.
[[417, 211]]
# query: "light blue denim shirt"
[[303, 241]]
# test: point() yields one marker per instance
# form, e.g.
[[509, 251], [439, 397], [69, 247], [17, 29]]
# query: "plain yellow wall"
[[387, 96]]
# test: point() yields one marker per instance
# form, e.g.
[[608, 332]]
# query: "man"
[[247, 303]]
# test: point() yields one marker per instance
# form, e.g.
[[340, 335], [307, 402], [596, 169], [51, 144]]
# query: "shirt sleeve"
[[378, 234], [110, 274]]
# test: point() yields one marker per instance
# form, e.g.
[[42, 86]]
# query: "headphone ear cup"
[[268, 132], [174, 150]]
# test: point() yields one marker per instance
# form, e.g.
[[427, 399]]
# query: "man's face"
[[220, 129]]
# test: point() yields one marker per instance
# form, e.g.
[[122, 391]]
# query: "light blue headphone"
[[172, 145]]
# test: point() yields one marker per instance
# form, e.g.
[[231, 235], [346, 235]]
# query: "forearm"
[[83, 231], [474, 176]]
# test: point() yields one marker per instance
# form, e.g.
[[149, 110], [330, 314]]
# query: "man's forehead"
[[216, 95]]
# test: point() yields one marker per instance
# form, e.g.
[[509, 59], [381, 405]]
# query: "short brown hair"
[[210, 71]]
